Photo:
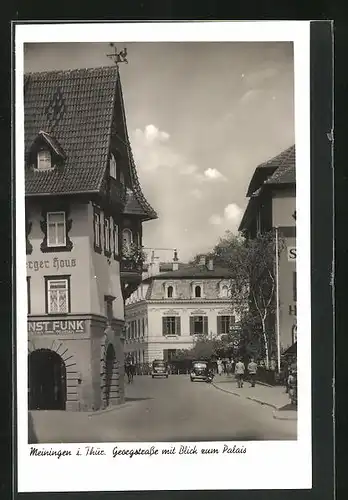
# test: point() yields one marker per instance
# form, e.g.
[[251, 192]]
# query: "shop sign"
[[291, 254], [55, 263], [69, 326]]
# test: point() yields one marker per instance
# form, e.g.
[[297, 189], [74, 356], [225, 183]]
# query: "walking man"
[[252, 369], [239, 371]]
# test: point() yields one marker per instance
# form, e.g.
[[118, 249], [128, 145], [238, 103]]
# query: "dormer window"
[[170, 292], [44, 160], [113, 167], [197, 290]]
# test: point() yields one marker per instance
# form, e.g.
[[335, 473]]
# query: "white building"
[[171, 308]]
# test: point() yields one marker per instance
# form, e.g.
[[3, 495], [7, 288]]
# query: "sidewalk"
[[273, 396]]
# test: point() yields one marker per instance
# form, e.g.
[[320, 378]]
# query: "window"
[[224, 291], [143, 326], [127, 236], [224, 324], [57, 295], [97, 227], [107, 235], [113, 167], [115, 240], [108, 307], [56, 229], [44, 160], [198, 291], [198, 325], [170, 292], [171, 325], [28, 295], [294, 286]]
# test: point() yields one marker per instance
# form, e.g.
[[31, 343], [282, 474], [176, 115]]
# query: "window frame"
[[113, 166], [56, 245], [50, 278], [171, 326], [222, 322], [127, 230], [39, 160], [97, 229], [193, 320], [107, 235], [115, 233], [194, 285]]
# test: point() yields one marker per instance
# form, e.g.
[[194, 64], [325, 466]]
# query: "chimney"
[[202, 260], [175, 260], [210, 264]]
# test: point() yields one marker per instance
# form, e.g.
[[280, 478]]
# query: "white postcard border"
[[269, 461]]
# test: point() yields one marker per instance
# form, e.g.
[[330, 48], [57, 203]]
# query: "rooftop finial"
[[118, 57]]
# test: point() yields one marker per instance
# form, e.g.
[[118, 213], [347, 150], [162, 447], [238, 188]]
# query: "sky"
[[201, 117]]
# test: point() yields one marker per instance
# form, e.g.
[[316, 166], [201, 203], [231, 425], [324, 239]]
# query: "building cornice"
[[176, 302]]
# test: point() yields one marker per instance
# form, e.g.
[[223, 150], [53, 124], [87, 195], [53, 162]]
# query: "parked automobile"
[[160, 368], [200, 371]]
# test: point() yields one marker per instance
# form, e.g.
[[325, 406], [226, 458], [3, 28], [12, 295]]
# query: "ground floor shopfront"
[[75, 363]]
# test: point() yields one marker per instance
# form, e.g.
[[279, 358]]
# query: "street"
[[172, 409]]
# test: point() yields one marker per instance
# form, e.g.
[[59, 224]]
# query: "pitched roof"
[[76, 108], [285, 173], [267, 168], [199, 272]]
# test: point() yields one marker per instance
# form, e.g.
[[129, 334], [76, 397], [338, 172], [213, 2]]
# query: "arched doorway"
[[47, 380], [110, 374]]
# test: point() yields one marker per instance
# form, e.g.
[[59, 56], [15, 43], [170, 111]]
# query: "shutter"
[[178, 325], [294, 285], [219, 325], [191, 325], [205, 325]]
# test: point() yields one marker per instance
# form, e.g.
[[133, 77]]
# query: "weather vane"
[[118, 57]]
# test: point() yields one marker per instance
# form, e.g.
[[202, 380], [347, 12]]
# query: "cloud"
[[233, 212], [213, 173], [152, 134], [230, 219]]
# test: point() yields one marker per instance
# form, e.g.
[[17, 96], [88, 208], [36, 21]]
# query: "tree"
[[252, 283]]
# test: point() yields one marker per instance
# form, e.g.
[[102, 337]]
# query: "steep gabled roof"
[[75, 108], [268, 168], [136, 201]]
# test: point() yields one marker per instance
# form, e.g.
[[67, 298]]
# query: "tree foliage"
[[252, 284]]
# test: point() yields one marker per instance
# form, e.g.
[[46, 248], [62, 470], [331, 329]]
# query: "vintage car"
[[159, 368], [199, 371]]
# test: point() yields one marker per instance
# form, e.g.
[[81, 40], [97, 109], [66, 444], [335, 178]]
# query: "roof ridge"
[[136, 188], [70, 70]]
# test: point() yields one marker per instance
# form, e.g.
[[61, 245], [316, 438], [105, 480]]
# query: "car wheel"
[[191, 379], [166, 376], [153, 376]]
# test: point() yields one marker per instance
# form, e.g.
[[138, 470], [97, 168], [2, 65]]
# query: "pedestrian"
[[252, 369], [239, 371], [219, 367], [228, 368]]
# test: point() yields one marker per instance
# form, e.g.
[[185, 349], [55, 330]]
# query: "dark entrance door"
[[47, 380]]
